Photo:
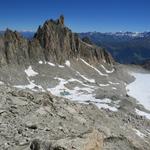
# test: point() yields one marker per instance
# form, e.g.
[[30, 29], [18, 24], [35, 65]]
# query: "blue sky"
[[80, 15]]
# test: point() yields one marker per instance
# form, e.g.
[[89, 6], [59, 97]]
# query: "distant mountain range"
[[26, 34], [126, 47]]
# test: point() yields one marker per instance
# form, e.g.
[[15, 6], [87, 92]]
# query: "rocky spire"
[[61, 20], [52, 42], [60, 43]]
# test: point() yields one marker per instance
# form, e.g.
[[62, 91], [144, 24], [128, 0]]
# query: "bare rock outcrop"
[[92, 140], [13, 48], [52, 42], [146, 64], [60, 43]]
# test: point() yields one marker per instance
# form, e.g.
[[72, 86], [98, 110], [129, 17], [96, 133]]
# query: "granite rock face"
[[59, 43], [13, 48], [52, 42]]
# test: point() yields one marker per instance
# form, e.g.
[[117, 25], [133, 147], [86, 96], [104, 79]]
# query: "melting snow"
[[114, 88], [104, 84], [106, 106], [68, 63], [51, 64], [75, 94], [104, 61], [1, 83], [100, 73], [30, 72], [60, 66], [80, 94], [141, 113], [140, 134], [31, 86], [108, 71], [40, 62], [140, 89], [113, 83], [85, 78], [76, 80]]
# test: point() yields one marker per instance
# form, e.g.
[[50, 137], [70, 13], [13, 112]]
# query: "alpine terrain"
[[58, 92], [125, 47]]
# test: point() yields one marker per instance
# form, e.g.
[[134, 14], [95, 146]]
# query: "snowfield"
[[140, 90], [67, 63], [83, 89], [30, 72], [141, 113], [80, 94]]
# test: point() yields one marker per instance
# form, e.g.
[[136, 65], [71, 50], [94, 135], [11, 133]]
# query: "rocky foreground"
[[41, 121]]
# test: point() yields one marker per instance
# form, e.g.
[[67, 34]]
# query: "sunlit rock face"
[[60, 43], [53, 41]]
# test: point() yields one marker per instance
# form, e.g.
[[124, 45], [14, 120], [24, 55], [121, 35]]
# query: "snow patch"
[[103, 85], [80, 94], [75, 94], [60, 66], [108, 71], [99, 72], [114, 83], [140, 134], [40, 62], [106, 106], [51, 64], [141, 113], [68, 63], [85, 78], [76, 80], [1, 83], [32, 86], [104, 61], [30, 72]]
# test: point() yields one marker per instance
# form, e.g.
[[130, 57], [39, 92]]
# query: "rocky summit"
[[53, 41], [58, 92]]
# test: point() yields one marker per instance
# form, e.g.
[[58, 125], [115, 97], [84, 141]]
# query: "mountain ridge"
[[124, 47], [53, 41]]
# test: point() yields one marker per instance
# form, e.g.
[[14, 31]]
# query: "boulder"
[[92, 140]]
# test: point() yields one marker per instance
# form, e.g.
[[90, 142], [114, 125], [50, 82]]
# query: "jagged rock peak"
[[11, 35], [52, 42], [87, 40], [57, 40], [61, 20], [60, 43]]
